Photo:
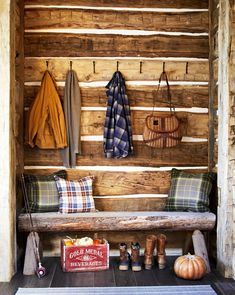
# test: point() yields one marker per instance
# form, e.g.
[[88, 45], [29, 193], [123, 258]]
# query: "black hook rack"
[[71, 65], [117, 65], [93, 67], [47, 63]]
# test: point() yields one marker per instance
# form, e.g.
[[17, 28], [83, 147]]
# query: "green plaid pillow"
[[42, 191], [189, 192]]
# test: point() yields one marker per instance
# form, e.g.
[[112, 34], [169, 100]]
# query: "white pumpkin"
[[86, 241]]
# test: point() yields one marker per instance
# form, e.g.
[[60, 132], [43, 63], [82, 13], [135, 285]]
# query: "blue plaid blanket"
[[117, 127]]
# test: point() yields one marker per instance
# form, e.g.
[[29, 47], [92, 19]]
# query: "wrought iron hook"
[[163, 67], [141, 64], [186, 68]]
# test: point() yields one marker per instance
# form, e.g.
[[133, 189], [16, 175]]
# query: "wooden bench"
[[130, 206]]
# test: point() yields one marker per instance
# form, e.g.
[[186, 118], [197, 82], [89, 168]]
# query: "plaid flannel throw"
[[42, 191], [189, 191], [117, 127], [75, 196]]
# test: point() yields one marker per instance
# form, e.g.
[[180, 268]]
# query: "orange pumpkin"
[[190, 267], [97, 242], [69, 243]]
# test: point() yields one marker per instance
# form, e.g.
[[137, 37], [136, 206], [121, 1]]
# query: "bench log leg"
[[188, 243], [200, 248]]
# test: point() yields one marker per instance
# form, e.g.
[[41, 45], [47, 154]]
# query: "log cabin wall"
[[213, 106], [11, 97], [143, 38], [19, 91], [213, 84], [19, 107]]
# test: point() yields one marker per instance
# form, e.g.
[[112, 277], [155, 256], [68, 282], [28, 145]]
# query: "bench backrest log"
[[124, 191]]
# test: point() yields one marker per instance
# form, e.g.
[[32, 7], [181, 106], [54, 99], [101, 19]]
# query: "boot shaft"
[[161, 252], [135, 252], [150, 244], [149, 249], [161, 243], [135, 257], [124, 257]]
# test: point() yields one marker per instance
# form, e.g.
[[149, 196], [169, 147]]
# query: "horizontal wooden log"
[[182, 96], [185, 154], [192, 124], [195, 125], [203, 4], [117, 221], [53, 44], [197, 70], [109, 183], [130, 204], [41, 18]]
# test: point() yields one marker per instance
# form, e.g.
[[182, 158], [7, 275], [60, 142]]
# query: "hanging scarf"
[[117, 128], [72, 111]]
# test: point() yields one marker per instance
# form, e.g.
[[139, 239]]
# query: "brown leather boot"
[[135, 257], [124, 257], [161, 253], [148, 253]]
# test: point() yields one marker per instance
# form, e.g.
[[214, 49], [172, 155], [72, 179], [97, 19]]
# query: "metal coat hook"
[[163, 67], [141, 64], [47, 63], [117, 65], [93, 67], [186, 68], [71, 65]]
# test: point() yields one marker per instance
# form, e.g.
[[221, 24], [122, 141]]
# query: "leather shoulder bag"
[[162, 130]]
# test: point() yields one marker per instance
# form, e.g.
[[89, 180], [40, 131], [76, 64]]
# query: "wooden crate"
[[84, 258]]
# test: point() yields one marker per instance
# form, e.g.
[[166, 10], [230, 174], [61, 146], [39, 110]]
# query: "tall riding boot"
[[161, 253], [135, 257], [148, 253], [124, 257]]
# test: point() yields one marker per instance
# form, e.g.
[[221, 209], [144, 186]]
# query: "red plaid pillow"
[[75, 196]]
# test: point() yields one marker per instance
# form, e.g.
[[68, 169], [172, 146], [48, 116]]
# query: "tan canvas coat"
[[45, 126]]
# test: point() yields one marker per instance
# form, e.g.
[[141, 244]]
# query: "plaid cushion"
[[189, 192], [75, 196], [42, 191]]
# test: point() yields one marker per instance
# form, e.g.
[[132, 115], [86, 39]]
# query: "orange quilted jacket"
[[45, 126]]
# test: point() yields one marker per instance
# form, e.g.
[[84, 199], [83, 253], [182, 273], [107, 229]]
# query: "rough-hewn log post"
[[212, 86], [225, 230], [7, 161]]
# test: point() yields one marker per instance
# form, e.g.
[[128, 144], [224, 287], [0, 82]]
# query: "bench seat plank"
[[117, 221]]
